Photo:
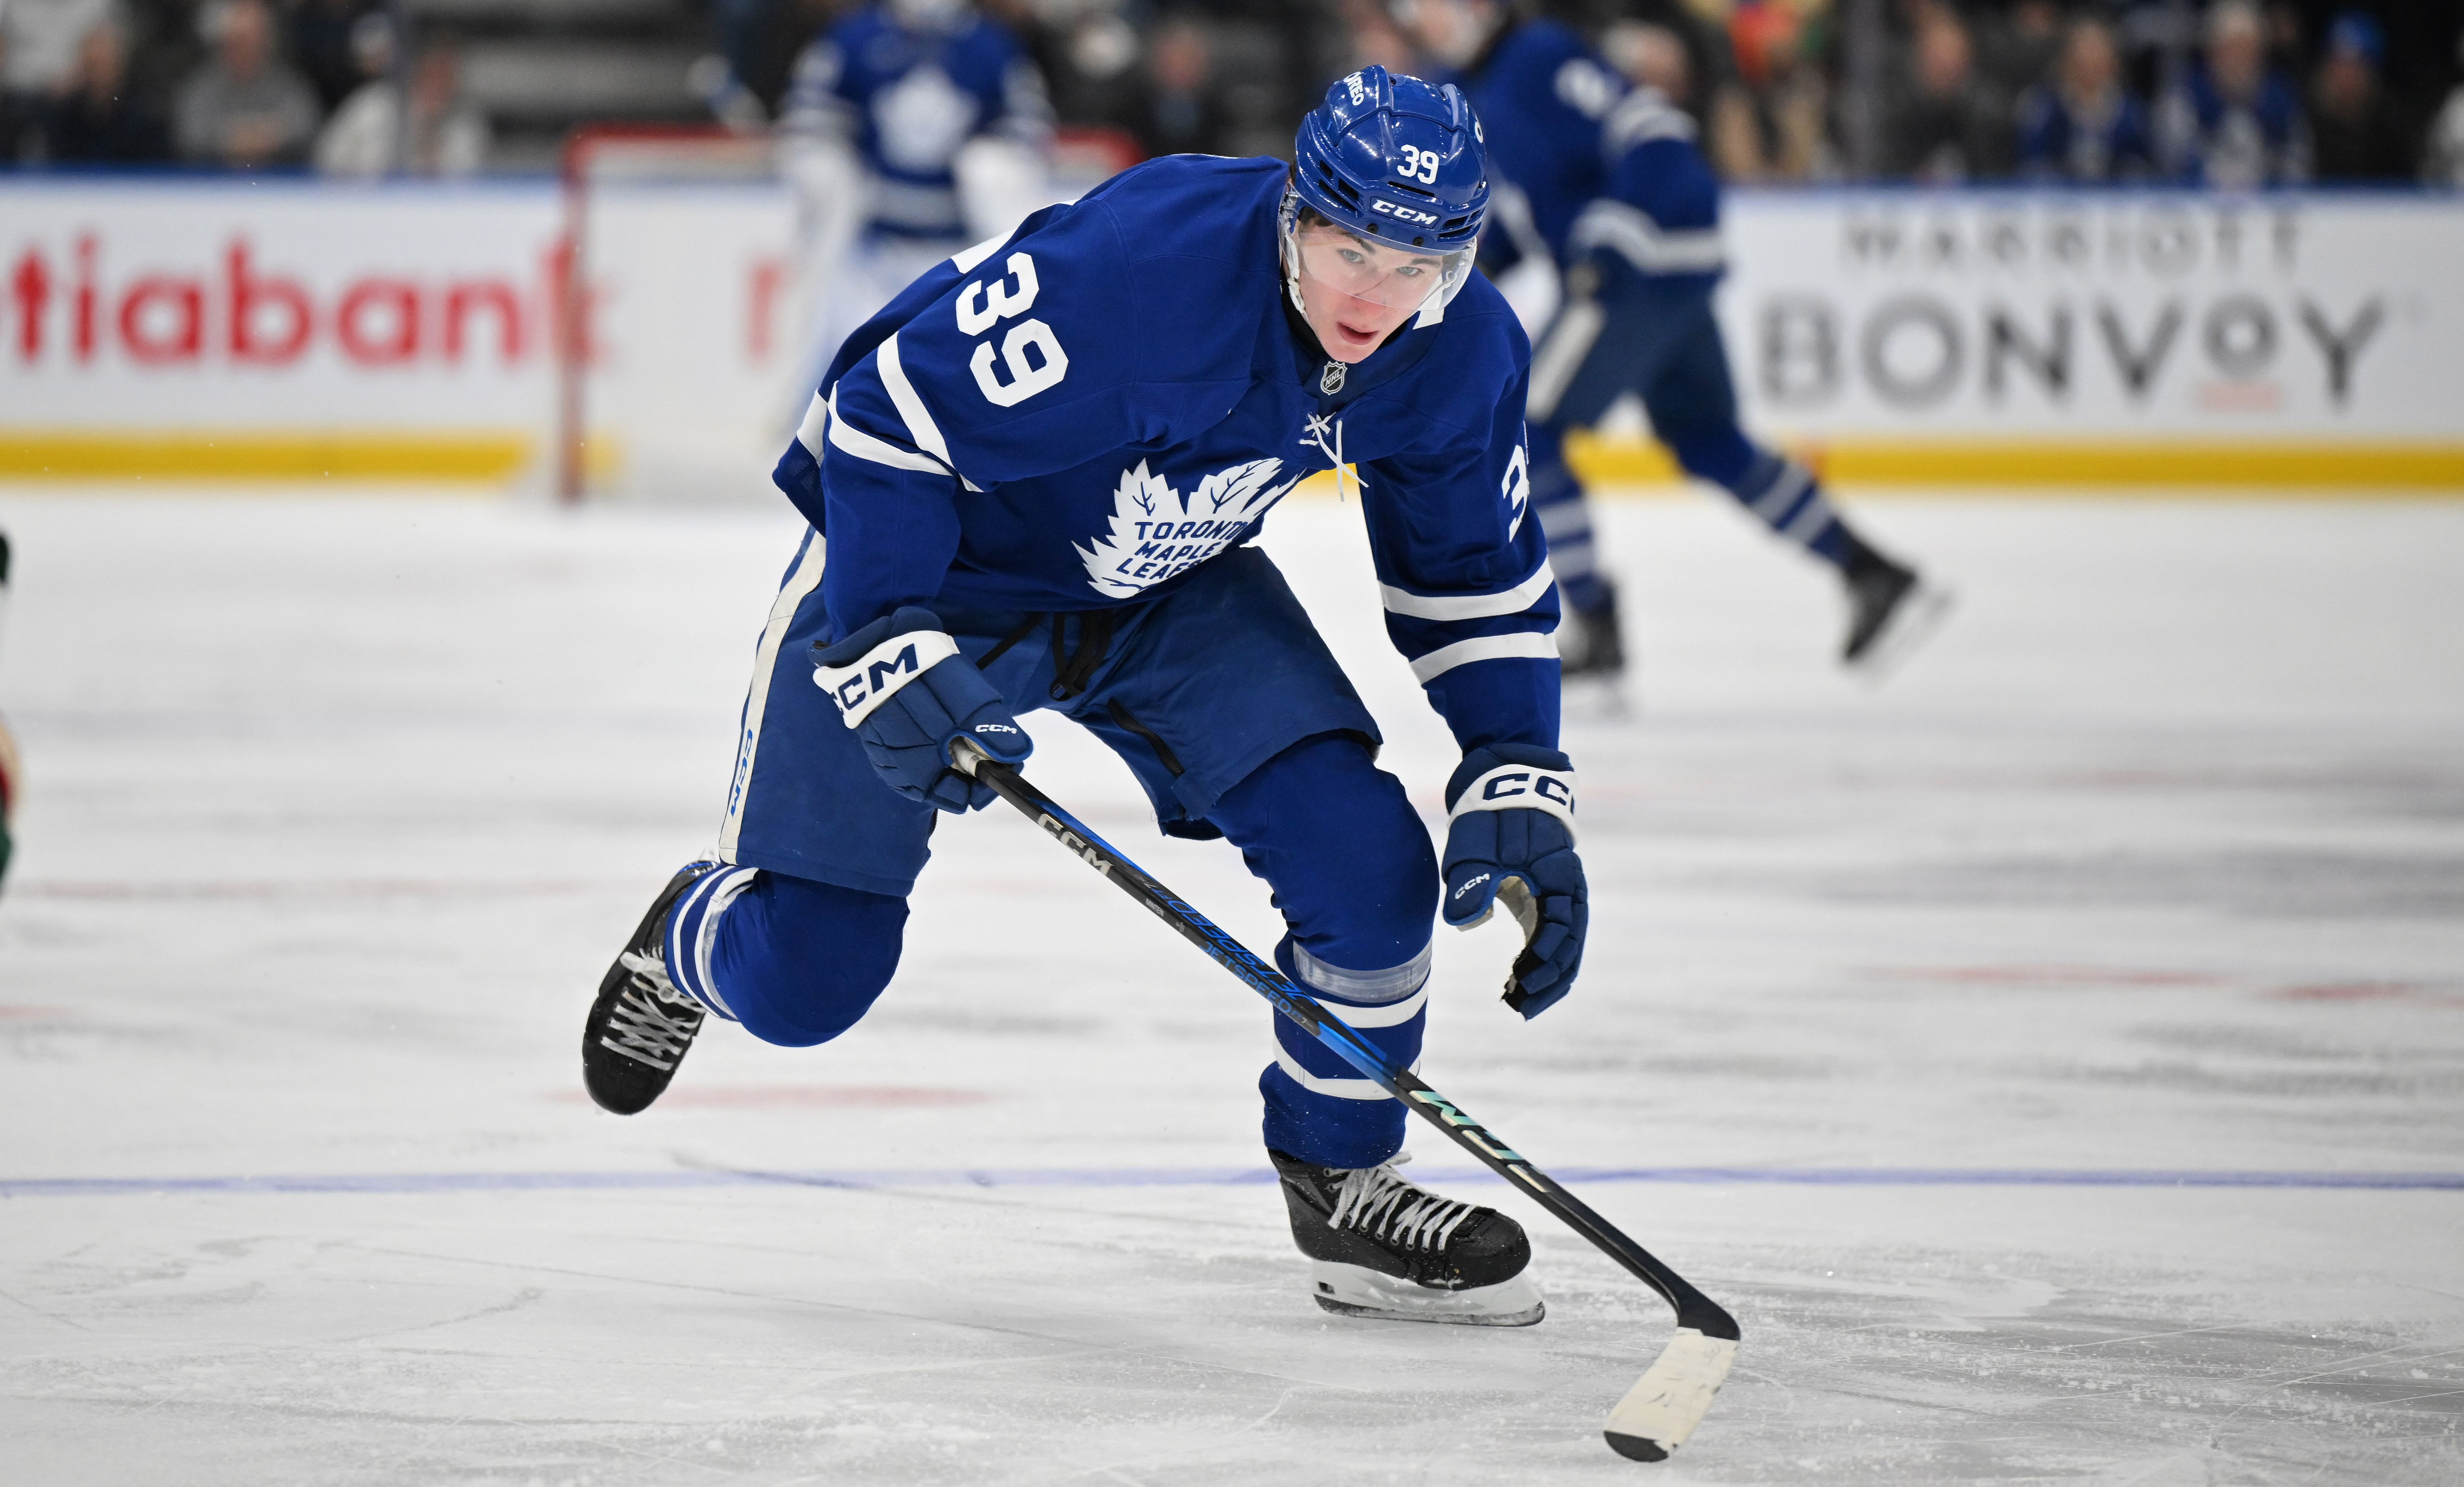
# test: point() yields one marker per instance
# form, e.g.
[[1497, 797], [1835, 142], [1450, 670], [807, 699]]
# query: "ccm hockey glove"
[[1512, 841], [902, 684]]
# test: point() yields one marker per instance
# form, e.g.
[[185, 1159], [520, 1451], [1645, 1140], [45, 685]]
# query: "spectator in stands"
[[2017, 49], [1945, 129], [2084, 129], [366, 137], [245, 108], [103, 120], [15, 122], [41, 46], [1181, 114], [2442, 156], [322, 42], [1771, 124], [2355, 130], [165, 45], [2237, 125]]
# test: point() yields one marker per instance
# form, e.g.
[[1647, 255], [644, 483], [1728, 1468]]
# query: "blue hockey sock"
[[1780, 491], [796, 961], [1357, 879], [1318, 1107]]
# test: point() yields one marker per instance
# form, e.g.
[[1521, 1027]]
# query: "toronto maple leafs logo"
[[1157, 533]]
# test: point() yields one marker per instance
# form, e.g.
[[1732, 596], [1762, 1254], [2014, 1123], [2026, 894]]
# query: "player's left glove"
[[1512, 841], [902, 684]]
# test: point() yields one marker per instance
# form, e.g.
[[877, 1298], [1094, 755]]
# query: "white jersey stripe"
[[1468, 606], [1645, 243], [816, 426], [865, 446], [966, 259], [1487, 647], [921, 430]]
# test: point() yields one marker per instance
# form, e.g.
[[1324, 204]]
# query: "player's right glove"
[[902, 684], [1512, 841]]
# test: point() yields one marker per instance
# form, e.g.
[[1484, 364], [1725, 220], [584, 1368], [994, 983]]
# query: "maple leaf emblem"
[[1157, 533]]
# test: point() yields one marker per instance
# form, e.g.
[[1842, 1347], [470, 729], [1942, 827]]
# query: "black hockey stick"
[[1663, 1409]]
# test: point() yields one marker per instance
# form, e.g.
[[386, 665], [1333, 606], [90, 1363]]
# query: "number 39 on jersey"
[[1029, 352]]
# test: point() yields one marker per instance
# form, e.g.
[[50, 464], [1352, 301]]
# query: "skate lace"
[[645, 1025], [1375, 1201]]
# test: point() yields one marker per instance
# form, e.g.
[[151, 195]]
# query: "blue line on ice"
[[1196, 1176]]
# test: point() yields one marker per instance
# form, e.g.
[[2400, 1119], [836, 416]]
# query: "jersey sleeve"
[[1660, 211], [1463, 573]]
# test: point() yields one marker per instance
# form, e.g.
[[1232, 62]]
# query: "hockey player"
[[910, 129], [1608, 183], [1035, 472]]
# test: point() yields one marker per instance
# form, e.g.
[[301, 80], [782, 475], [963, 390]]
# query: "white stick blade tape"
[[1661, 1410]]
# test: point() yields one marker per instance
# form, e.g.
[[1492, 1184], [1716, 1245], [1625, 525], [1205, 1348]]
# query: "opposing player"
[[1036, 472], [910, 129], [1607, 182]]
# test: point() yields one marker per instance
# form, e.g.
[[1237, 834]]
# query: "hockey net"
[[690, 312]]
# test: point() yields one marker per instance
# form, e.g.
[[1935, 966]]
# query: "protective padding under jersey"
[[1356, 877]]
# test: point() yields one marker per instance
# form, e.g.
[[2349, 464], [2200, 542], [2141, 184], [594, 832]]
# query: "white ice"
[[336, 809]]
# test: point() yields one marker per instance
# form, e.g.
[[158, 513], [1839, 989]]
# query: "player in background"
[[910, 129], [9, 769], [1037, 469], [1606, 182]]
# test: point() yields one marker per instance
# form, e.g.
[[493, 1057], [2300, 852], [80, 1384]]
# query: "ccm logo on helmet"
[[1405, 213]]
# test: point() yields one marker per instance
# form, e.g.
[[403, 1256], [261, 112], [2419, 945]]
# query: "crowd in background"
[[2235, 94], [227, 84]]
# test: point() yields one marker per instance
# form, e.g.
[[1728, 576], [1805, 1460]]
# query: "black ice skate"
[[1890, 610], [1380, 1247], [641, 1026], [1589, 643]]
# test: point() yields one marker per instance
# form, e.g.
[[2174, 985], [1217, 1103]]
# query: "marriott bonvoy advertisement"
[[190, 317], [2124, 316]]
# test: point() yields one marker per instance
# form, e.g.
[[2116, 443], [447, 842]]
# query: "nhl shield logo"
[[1331, 381]]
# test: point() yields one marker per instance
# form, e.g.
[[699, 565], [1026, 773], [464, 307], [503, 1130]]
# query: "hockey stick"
[[1663, 1409]]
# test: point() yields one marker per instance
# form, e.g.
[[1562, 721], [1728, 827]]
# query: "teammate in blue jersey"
[[909, 129], [1035, 475], [1607, 182]]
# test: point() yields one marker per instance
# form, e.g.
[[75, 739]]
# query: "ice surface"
[[336, 809]]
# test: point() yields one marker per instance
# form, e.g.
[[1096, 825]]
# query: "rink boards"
[[160, 328]]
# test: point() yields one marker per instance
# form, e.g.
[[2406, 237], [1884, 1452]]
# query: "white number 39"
[[1420, 165], [1001, 303]]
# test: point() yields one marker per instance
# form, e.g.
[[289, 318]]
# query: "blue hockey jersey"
[[905, 100], [1595, 166], [1082, 414]]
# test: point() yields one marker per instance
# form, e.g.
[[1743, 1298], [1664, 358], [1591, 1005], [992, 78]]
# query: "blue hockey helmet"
[[1398, 161]]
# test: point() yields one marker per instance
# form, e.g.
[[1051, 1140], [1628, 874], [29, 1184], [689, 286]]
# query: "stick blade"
[[1670, 1399]]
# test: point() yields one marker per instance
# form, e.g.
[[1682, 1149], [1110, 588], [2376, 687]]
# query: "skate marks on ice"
[[1160, 1336]]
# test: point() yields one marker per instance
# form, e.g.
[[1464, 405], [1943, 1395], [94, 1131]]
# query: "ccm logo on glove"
[[874, 677], [1522, 787]]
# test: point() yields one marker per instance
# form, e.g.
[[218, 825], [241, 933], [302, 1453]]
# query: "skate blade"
[[1910, 625], [1355, 1291]]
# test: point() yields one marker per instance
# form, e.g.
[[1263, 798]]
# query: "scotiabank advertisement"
[[143, 305]]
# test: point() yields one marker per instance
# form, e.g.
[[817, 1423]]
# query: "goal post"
[[679, 342]]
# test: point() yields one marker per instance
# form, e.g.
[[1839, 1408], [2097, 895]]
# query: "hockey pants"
[[798, 961]]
